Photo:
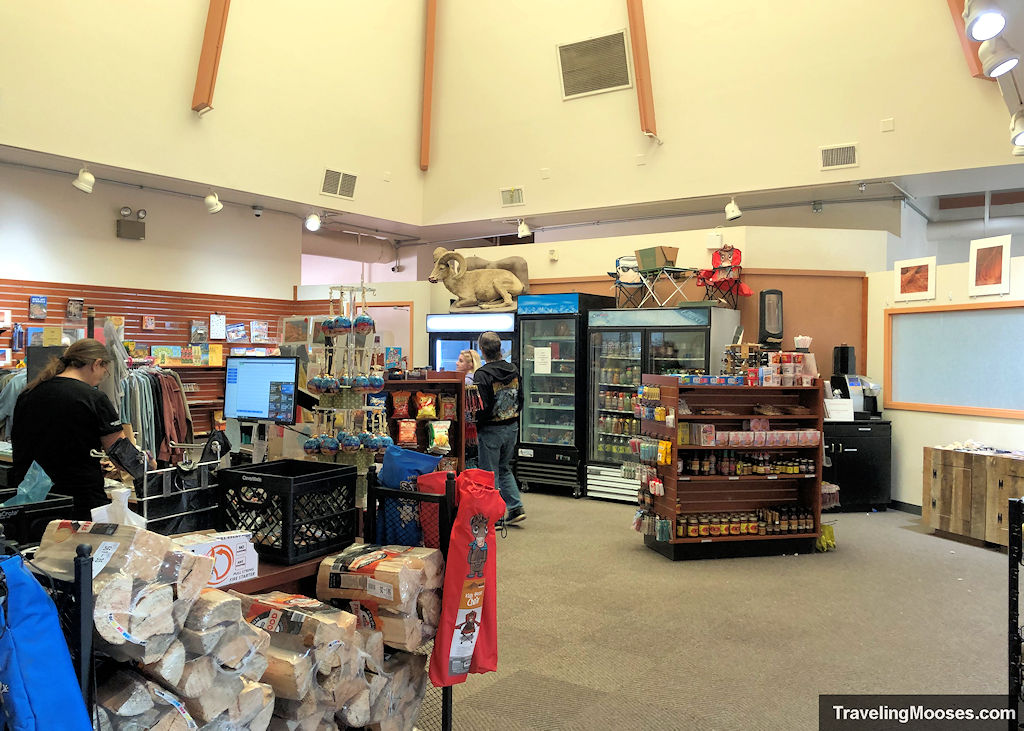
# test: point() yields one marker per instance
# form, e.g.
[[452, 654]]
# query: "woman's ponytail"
[[78, 355]]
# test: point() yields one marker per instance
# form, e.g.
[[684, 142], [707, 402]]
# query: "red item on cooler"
[[467, 635]]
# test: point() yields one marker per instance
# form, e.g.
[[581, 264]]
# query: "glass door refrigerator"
[[625, 344], [553, 433], [450, 334]]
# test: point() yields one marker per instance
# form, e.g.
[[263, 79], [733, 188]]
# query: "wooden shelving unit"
[[439, 382], [689, 494]]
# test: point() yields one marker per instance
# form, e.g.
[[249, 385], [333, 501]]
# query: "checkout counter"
[[858, 444]]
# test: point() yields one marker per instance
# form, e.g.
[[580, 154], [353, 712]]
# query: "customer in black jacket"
[[497, 423]]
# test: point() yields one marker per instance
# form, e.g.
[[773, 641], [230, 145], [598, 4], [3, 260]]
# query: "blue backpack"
[[38, 687]]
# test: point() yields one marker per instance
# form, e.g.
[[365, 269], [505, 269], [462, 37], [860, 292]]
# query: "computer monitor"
[[261, 389]]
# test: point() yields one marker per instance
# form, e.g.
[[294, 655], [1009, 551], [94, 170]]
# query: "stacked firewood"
[[392, 589], [315, 665], [143, 583]]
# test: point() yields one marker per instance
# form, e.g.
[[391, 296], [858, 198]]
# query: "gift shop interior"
[[315, 421]]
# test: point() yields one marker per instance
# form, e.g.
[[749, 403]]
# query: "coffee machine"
[[865, 394]]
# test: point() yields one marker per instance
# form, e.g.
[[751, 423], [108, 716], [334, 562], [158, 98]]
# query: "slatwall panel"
[[173, 311]]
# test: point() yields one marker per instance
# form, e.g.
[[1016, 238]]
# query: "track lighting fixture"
[[817, 206], [1017, 128], [983, 19], [523, 230], [997, 57], [84, 181], [732, 211], [312, 222], [213, 204]]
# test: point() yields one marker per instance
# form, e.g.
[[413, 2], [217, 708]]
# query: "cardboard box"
[[234, 557], [656, 257]]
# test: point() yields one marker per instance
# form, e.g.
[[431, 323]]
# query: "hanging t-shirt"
[[56, 424]]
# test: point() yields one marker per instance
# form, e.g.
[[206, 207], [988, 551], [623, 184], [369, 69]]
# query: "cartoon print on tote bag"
[[477, 556]]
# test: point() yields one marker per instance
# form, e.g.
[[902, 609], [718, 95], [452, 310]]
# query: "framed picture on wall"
[[914, 279], [989, 268]]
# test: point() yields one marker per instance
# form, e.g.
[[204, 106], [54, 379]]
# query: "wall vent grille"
[[839, 156], [512, 197], [339, 184], [594, 66]]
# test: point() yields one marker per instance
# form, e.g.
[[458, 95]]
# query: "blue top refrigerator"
[[553, 431], [622, 346]]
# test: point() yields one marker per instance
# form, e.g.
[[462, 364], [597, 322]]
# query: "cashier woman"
[[60, 417]]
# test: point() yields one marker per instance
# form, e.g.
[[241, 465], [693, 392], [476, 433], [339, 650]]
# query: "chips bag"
[[438, 440], [448, 408], [400, 404], [426, 405], [407, 432]]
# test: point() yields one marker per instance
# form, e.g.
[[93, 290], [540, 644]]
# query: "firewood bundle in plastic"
[[217, 659], [392, 589], [315, 663], [408, 686], [128, 702], [143, 583], [393, 694]]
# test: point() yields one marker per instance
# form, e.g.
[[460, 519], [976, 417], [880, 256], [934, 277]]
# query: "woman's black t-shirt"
[[56, 424]]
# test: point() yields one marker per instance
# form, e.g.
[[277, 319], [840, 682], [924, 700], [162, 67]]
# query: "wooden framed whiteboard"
[[956, 359]]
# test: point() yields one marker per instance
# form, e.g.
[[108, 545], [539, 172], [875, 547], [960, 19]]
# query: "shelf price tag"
[[773, 477]]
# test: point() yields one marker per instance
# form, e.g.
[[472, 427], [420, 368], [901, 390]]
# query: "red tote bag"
[[467, 635]]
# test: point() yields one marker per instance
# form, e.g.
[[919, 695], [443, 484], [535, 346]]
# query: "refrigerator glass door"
[[548, 366], [447, 349], [614, 375], [677, 351]]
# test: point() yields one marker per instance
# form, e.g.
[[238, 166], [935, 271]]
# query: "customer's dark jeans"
[[495, 446]]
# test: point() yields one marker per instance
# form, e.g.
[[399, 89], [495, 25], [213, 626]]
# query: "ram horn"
[[459, 260], [439, 252]]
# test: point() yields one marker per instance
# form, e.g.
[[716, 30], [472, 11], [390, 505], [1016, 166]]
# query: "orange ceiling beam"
[[209, 57], [969, 45], [641, 66], [428, 84]]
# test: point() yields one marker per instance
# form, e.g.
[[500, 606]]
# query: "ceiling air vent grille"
[[512, 197], [839, 156], [339, 184], [594, 66]]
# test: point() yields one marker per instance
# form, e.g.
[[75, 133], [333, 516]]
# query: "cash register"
[[864, 393]]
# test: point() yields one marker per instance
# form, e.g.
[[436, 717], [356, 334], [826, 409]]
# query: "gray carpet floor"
[[599, 632]]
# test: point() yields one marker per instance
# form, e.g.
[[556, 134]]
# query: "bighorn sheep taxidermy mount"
[[486, 288]]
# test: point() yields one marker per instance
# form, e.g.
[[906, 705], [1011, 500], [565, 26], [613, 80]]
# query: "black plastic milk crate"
[[24, 524], [296, 510]]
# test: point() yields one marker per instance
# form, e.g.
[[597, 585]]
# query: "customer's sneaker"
[[515, 516]]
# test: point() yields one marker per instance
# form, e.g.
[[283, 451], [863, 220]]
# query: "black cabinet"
[[861, 456]]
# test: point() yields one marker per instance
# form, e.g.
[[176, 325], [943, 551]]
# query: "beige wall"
[[762, 248], [914, 430], [744, 96], [53, 233], [301, 87]]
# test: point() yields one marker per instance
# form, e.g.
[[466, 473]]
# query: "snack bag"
[[400, 404], [407, 432], [448, 408], [438, 441], [426, 405], [377, 400]]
